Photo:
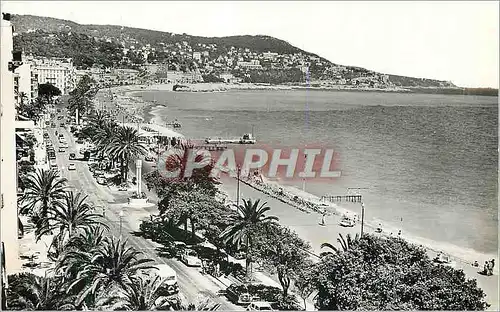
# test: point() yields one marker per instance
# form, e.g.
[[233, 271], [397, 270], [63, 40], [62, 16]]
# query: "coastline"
[[462, 256]]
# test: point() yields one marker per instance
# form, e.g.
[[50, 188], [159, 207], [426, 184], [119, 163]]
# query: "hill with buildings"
[[259, 59]]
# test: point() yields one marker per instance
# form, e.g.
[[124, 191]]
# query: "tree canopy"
[[391, 274], [48, 91]]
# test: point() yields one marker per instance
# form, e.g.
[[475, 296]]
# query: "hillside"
[[251, 58]]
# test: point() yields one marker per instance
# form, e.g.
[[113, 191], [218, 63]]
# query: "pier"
[[345, 198], [211, 147]]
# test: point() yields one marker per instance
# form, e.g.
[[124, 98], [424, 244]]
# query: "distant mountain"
[[118, 46]]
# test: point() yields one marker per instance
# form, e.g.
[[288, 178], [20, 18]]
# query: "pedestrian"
[[128, 199], [399, 233], [485, 268], [491, 264], [475, 264]]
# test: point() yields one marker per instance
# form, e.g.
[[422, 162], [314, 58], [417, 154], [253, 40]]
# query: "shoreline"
[[461, 255], [458, 253], [224, 87]]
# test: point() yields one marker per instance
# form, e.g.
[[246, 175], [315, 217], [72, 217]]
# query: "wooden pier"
[[211, 147], [345, 198]]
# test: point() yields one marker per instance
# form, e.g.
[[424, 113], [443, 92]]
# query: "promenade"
[[307, 226]]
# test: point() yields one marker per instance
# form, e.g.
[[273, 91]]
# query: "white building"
[[26, 81], [270, 55], [57, 71], [197, 55], [253, 64], [9, 225]]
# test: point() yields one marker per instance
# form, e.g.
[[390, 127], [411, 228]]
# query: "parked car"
[[52, 125], [62, 125], [79, 141], [123, 187], [190, 258], [62, 149], [71, 167], [102, 181], [72, 156], [259, 306], [238, 294], [149, 158], [347, 222]]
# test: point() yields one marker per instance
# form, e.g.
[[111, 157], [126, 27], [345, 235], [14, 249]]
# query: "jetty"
[[211, 147], [247, 138], [340, 198]]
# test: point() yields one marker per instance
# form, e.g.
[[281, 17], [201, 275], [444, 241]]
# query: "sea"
[[426, 164]]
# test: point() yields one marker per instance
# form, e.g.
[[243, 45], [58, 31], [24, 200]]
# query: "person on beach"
[[485, 268], [323, 223], [491, 264]]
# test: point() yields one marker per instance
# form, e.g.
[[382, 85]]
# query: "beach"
[[133, 107]]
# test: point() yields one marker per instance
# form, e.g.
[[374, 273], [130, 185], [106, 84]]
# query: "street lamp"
[[238, 168], [362, 217], [121, 217]]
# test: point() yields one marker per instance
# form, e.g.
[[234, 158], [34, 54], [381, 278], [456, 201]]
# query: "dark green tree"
[[48, 91], [380, 273]]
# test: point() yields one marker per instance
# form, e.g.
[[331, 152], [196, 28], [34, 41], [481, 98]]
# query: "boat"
[[247, 138]]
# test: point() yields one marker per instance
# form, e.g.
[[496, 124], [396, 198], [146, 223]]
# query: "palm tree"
[[345, 244], [79, 250], [125, 145], [179, 158], [28, 291], [43, 189], [143, 294], [112, 265], [202, 304], [250, 215], [69, 216]]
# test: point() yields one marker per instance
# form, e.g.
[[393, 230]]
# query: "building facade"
[[59, 72], [25, 82], [8, 174]]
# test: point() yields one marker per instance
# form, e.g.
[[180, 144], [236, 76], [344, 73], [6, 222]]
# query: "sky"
[[453, 41]]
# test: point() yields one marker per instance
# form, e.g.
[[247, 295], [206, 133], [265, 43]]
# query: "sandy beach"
[[130, 107]]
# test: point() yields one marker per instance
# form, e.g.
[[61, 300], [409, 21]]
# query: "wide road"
[[192, 283]]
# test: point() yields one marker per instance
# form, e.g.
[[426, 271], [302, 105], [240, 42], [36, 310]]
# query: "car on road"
[[62, 149], [259, 306], [71, 167], [168, 275], [62, 125], [102, 181], [190, 258], [72, 156], [59, 117], [52, 125]]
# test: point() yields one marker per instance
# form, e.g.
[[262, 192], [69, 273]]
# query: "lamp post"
[[362, 217], [121, 217], [238, 168]]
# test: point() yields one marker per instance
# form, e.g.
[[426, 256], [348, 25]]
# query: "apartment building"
[[57, 71], [8, 174], [25, 82]]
